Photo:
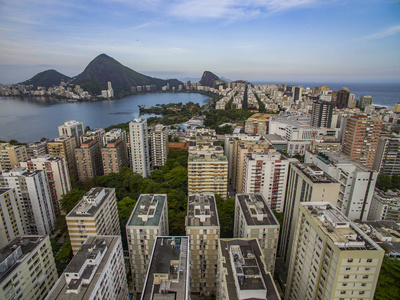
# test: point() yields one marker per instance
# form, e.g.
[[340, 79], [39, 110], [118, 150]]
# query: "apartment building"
[[114, 152], [97, 271], [321, 115], [11, 223], [159, 146], [148, 220], [33, 198], [95, 214], [11, 156], [385, 206], [387, 158], [208, 174], [57, 176], [257, 124], [360, 139], [88, 160], [71, 128], [37, 149], [267, 173], [241, 272], [306, 183], [331, 258], [64, 146], [203, 230], [357, 182], [254, 219], [139, 145], [168, 272], [27, 268]]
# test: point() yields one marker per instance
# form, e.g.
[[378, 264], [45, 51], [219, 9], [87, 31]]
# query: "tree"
[[71, 199], [64, 256], [125, 208], [388, 286], [226, 214], [384, 182]]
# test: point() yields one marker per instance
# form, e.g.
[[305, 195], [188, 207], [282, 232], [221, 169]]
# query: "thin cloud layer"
[[393, 30]]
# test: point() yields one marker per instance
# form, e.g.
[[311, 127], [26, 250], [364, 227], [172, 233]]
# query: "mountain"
[[211, 80], [47, 79], [105, 68]]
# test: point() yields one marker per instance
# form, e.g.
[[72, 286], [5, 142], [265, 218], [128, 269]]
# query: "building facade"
[[387, 157], [203, 230], [11, 156], [95, 214], [11, 223], [114, 152], [139, 145], [159, 146], [385, 206], [71, 128], [64, 146], [88, 160], [148, 220], [321, 115]]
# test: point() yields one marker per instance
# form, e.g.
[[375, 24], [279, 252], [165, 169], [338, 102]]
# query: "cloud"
[[383, 33]]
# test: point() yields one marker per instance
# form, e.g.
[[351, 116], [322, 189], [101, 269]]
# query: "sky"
[[254, 40]]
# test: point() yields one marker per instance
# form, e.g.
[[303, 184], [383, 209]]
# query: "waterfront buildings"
[[57, 176], [331, 258], [203, 230], [254, 219], [33, 197], [148, 220], [168, 272], [321, 115], [208, 174], [306, 183], [71, 128], [114, 153], [387, 157], [357, 182], [11, 223], [241, 272], [97, 271], [159, 146], [139, 145], [11, 156], [64, 146], [95, 214], [267, 173], [28, 270], [360, 139]]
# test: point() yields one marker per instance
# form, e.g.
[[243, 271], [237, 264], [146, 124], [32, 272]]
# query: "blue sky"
[[255, 40]]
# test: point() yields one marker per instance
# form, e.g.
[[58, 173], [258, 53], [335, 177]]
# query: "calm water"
[[30, 119]]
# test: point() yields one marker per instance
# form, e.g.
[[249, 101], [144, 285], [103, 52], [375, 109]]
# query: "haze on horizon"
[[255, 40]]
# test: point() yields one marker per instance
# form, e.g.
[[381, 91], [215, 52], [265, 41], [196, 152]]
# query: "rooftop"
[[148, 210], [256, 210], [315, 174], [202, 210], [91, 203], [16, 251], [171, 259], [341, 159], [344, 233], [249, 273], [207, 158]]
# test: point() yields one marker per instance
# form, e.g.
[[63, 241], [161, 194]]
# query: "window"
[[369, 260], [365, 276], [350, 260]]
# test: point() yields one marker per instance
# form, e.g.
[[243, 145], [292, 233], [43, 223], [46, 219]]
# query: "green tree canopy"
[[388, 286], [71, 199]]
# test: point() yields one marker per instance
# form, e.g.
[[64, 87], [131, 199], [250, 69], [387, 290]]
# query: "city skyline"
[[291, 40]]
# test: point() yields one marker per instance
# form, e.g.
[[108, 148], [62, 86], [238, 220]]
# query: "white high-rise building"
[[139, 142], [267, 173], [71, 128], [33, 197], [159, 146]]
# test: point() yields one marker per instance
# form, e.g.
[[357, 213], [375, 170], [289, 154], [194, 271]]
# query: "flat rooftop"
[[170, 258], [274, 138], [246, 255], [94, 247], [15, 252], [4, 190], [339, 159], [91, 202], [343, 233], [315, 174], [207, 158], [148, 210], [202, 210], [256, 210]]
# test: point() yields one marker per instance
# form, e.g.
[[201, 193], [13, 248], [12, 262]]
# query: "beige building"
[[258, 123], [11, 156], [27, 268], [241, 272], [88, 160], [203, 230], [168, 272], [114, 156], [148, 220], [306, 183], [57, 176], [71, 128], [208, 174], [11, 223], [97, 271], [159, 146], [95, 214], [331, 258], [64, 146], [325, 143], [254, 219]]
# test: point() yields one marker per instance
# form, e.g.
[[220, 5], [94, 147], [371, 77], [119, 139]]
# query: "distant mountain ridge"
[[211, 80], [47, 79]]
